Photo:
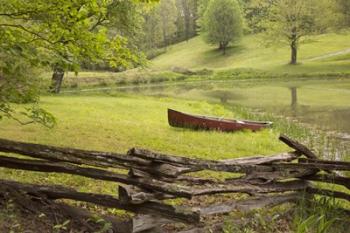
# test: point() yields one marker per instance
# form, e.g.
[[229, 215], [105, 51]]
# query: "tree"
[[344, 8], [289, 21], [255, 12], [57, 34], [152, 37], [222, 23], [167, 10], [186, 20], [66, 32]]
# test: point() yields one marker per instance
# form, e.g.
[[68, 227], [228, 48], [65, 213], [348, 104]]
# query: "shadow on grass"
[[216, 55]]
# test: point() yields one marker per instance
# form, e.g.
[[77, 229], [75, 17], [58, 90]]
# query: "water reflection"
[[294, 102]]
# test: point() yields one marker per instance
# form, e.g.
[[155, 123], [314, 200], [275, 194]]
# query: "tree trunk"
[[56, 81], [223, 46], [294, 52]]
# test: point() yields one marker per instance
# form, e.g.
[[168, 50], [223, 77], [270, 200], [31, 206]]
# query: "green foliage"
[[65, 33], [166, 23], [255, 12], [60, 34], [290, 21], [222, 22], [343, 7], [320, 216], [61, 227], [167, 12]]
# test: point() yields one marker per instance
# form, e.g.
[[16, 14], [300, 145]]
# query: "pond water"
[[323, 105]]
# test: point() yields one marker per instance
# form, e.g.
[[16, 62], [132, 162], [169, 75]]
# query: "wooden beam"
[[319, 165], [56, 192], [330, 178], [249, 204], [297, 146], [294, 185], [329, 193], [280, 174], [342, 164], [91, 158], [135, 195], [43, 166], [197, 164]]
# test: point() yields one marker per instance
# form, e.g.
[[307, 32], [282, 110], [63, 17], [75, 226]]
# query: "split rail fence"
[[154, 177]]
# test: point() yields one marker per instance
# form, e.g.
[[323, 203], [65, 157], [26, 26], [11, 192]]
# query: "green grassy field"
[[118, 123], [326, 55], [251, 53]]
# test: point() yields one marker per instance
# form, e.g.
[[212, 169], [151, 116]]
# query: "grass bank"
[[326, 56], [317, 54], [117, 123]]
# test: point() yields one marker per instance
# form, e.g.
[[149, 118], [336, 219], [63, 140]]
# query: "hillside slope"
[[328, 52]]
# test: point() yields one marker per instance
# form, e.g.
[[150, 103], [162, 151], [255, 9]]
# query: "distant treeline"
[[153, 27], [173, 21]]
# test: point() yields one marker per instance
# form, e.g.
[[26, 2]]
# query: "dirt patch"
[[23, 213]]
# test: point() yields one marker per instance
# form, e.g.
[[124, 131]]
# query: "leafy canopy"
[[46, 33], [222, 22]]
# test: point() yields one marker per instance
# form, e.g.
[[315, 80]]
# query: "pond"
[[320, 104]]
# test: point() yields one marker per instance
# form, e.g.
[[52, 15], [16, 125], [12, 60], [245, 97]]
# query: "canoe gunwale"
[[186, 120]]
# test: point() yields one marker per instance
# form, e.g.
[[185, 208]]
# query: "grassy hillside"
[[318, 53], [325, 55]]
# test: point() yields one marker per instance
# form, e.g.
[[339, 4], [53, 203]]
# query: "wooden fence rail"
[[153, 177]]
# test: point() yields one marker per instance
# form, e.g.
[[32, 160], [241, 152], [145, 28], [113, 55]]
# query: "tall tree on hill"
[[344, 8], [289, 21], [153, 34], [222, 23], [168, 15], [186, 20]]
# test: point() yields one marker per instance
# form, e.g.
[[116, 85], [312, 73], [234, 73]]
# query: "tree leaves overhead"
[[49, 33], [65, 31]]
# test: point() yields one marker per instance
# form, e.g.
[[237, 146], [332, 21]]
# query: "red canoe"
[[184, 120]]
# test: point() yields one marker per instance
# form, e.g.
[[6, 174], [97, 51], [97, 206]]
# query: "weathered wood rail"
[[154, 177]]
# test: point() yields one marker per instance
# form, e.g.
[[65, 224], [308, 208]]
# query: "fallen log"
[[55, 192], [330, 178], [43, 166], [297, 146], [250, 204]]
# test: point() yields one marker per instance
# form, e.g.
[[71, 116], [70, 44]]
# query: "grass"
[[324, 55], [251, 53], [117, 123]]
